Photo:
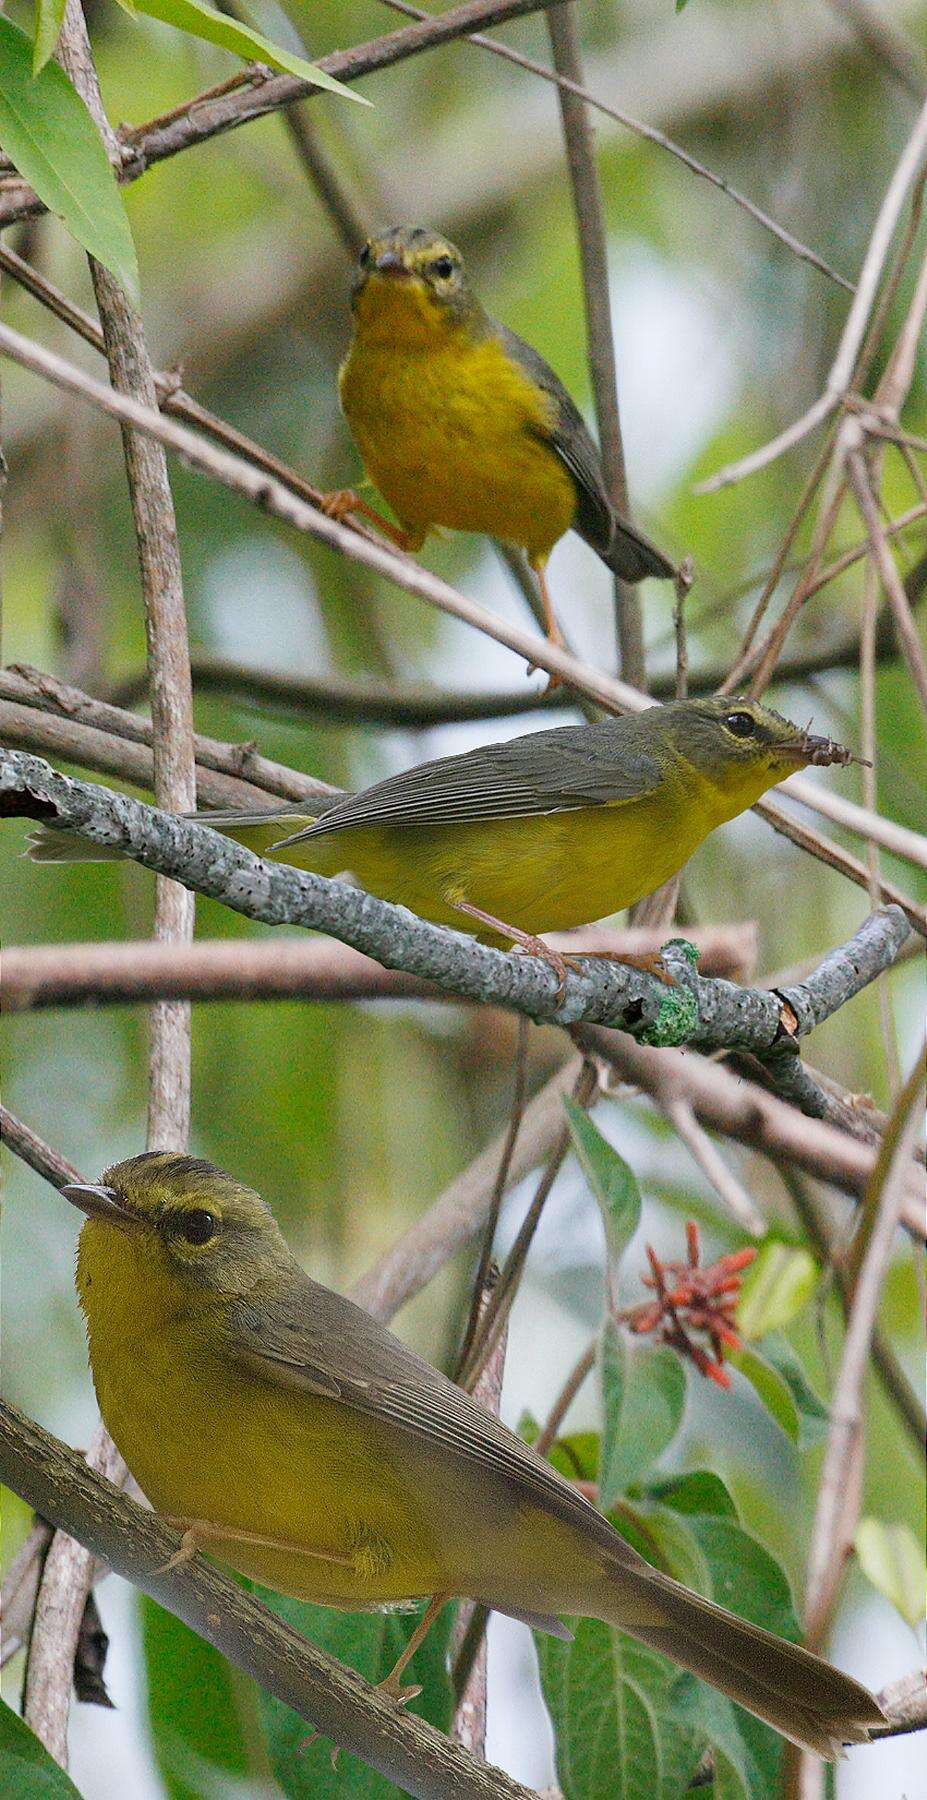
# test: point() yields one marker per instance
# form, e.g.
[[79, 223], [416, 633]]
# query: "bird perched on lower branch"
[[291, 1435], [461, 424]]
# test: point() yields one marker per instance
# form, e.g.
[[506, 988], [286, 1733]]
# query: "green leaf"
[[48, 17], [370, 1642], [772, 1388], [610, 1701], [701, 1491], [49, 135], [230, 34], [893, 1560], [195, 1705], [775, 1287], [643, 1392], [611, 1180], [27, 1772], [813, 1416]]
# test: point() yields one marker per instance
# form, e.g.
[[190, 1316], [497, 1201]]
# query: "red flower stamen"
[[691, 1298]]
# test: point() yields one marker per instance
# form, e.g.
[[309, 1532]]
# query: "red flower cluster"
[[689, 1298]]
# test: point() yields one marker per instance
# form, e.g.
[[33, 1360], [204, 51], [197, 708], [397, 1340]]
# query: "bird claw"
[[392, 1689]]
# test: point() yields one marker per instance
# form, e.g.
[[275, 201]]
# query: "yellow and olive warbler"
[[291, 1435], [549, 831], [459, 423]]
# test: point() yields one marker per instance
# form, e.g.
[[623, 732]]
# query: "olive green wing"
[[318, 1342], [626, 551], [541, 772]]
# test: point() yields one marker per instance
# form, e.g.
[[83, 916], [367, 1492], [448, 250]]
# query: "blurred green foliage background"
[[350, 1119]]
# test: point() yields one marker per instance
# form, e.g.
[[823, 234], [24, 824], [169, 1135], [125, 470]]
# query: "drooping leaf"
[[48, 17], [893, 1560], [775, 1287], [27, 1772], [230, 34], [612, 1182], [812, 1412], [369, 1642], [194, 1705], [49, 135], [770, 1386], [643, 1393]]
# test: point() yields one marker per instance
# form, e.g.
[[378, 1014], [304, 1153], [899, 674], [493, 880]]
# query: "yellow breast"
[[449, 427]]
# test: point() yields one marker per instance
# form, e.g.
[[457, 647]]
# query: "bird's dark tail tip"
[[633, 557], [800, 1695]]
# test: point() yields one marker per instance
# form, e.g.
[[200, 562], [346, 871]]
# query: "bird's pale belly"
[[546, 872]]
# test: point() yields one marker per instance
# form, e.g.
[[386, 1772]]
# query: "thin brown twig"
[[590, 224], [839, 379], [837, 1508], [482, 1285], [892, 585], [67, 1573], [649, 133]]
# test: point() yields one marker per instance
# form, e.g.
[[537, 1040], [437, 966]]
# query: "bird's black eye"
[[443, 267], [742, 724], [364, 258], [198, 1226]]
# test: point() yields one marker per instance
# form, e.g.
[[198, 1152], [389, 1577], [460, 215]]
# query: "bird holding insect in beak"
[[461, 424]]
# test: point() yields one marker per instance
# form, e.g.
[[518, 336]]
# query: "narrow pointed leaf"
[[770, 1387], [47, 132], [611, 1180], [230, 34], [48, 17]]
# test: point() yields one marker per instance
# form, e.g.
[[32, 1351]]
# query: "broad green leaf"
[[611, 1703], [813, 1415], [771, 1386], [611, 1180], [27, 1772], [48, 17], [195, 1704], [701, 1491], [643, 1394], [775, 1287], [230, 34], [49, 135], [890, 1555], [370, 1642]]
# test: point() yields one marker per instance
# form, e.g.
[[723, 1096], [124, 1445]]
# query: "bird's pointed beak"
[[98, 1203], [389, 262]]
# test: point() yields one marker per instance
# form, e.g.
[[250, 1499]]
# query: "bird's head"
[[175, 1229], [409, 281], [739, 748]]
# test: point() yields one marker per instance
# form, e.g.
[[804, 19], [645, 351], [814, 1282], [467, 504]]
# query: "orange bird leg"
[[340, 504], [198, 1534], [552, 630], [534, 946], [392, 1685]]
